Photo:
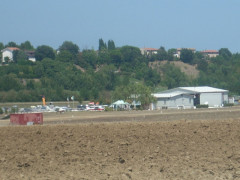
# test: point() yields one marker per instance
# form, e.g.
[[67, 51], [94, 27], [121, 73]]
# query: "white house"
[[189, 97], [210, 53], [8, 53]]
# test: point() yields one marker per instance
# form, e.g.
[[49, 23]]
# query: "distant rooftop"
[[12, 48], [192, 49], [209, 51], [150, 49]]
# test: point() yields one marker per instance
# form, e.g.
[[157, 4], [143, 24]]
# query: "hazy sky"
[[200, 24]]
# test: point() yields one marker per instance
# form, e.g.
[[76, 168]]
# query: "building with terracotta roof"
[[7, 53], [148, 51], [210, 53]]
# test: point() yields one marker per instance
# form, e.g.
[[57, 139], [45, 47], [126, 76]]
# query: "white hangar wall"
[[213, 99], [180, 101]]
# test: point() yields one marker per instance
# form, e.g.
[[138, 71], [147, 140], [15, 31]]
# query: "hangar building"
[[190, 97]]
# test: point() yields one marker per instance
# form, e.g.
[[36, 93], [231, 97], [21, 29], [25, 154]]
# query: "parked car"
[[62, 109], [96, 108], [81, 108]]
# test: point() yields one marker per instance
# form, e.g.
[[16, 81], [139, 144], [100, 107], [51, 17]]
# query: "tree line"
[[108, 74]]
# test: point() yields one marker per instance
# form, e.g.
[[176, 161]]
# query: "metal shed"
[[189, 97]]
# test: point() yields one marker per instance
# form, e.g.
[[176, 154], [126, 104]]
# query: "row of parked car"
[[52, 108], [90, 108]]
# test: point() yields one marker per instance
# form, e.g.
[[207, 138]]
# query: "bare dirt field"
[[170, 144]]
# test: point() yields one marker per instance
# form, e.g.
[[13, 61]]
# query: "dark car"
[[81, 107]]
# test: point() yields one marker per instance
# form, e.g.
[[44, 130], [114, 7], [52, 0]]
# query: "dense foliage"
[[107, 74]]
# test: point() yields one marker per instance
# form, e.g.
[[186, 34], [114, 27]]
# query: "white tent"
[[120, 104]]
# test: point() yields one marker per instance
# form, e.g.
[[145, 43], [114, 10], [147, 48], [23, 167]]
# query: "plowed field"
[[184, 144]]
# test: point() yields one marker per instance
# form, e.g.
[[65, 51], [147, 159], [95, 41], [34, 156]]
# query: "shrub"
[[228, 105], [202, 106], [108, 109]]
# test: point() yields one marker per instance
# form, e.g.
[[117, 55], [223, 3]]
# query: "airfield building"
[[190, 97]]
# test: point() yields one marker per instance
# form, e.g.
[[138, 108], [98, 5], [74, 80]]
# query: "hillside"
[[188, 69], [92, 75]]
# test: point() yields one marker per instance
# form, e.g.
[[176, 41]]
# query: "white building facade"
[[8, 53], [148, 51]]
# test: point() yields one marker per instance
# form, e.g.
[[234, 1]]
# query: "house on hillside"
[[30, 55], [7, 54], [148, 51], [210, 53], [190, 97]]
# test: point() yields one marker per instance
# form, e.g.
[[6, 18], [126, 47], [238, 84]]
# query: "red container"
[[24, 119]]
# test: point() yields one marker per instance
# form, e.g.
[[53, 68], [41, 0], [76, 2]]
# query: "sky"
[[200, 24]]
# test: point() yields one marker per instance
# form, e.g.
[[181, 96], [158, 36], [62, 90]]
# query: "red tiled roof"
[[210, 51], [13, 48], [150, 49]]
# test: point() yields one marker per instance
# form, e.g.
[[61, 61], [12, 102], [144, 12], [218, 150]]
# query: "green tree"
[[225, 53], [26, 46], [11, 44], [173, 77], [134, 92], [1, 46], [130, 53], [104, 57], [65, 56], [106, 77], [9, 82], [152, 77], [71, 47], [171, 53], [162, 54], [116, 57], [131, 57], [186, 56], [30, 84], [90, 57], [102, 45], [19, 56], [6, 60], [44, 52], [111, 45], [145, 96], [202, 65]]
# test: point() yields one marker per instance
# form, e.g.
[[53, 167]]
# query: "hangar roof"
[[203, 89], [167, 95], [188, 90]]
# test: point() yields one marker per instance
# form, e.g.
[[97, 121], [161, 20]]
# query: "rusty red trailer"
[[28, 118]]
